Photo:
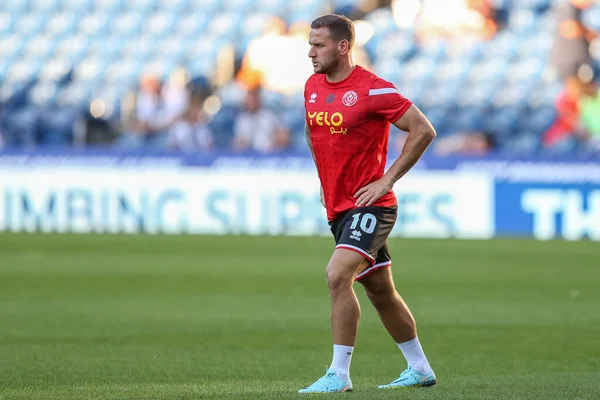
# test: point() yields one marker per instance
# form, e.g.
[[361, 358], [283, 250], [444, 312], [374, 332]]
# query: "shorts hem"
[[372, 269], [357, 250]]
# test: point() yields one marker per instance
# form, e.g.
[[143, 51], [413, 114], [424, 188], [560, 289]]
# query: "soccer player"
[[348, 116]]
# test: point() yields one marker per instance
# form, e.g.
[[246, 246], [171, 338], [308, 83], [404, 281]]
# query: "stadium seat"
[[237, 6], [208, 6], [77, 7], [225, 25], [158, 24], [40, 47], [73, 48], [527, 70], [76, 94], [94, 25], [4, 68], [435, 50], [192, 25], [21, 127], [61, 24], [159, 67], [29, 25], [175, 6], [398, 46], [44, 7], [24, 70], [273, 7], [126, 24], [7, 23], [56, 125], [435, 96], [489, 70], [523, 144], [544, 96], [522, 22], [540, 119], [90, 70], [124, 73], [535, 5], [140, 48], [467, 120], [11, 47], [537, 46], [382, 20], [43, 94], [502, 46], [476, 94], [419, 69], [54, 69], [14, 8], [389, 69], [502, 121], [452, 70], [109, 6], [174, 48]]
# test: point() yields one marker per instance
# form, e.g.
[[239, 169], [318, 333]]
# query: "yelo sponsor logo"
[[334, 121]]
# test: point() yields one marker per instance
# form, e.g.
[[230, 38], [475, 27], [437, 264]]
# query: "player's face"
[[323, 51]]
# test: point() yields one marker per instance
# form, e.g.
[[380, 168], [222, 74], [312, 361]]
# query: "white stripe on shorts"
[[358, 249]]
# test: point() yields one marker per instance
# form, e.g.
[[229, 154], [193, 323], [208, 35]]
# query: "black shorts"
[[365, 231]]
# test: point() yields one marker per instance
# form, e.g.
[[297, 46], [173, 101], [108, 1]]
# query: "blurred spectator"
[[190, 132], [451, 19], [156, 109], [278, 59], [572, 39], [471, 143], [175, 96], [567, 122], [149, 123], [259, 128]]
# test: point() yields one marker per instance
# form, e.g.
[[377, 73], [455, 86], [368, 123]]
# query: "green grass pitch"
[[182, 317]]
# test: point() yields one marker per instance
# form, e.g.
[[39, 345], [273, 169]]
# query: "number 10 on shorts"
[[367, 222]]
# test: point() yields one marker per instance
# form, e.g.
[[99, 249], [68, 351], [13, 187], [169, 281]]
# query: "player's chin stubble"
[[325, 67]]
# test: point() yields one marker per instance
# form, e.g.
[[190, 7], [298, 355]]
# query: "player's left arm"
[[420, 135]]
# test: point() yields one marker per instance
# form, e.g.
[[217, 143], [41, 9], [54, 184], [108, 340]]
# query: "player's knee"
[[337, 278]]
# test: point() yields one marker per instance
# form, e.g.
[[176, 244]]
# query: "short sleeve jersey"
[[349, 124]]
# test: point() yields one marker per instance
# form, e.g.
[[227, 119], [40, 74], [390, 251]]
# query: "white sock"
[[413, 352], [342, 355]]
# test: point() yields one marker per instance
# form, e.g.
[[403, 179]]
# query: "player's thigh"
[[378, 283], [344, 265], [383, 259]]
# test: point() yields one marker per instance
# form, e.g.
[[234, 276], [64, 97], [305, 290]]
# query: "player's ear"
[[343, 47]]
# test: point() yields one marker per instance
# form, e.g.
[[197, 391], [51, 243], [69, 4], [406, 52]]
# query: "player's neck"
[[341, 73]]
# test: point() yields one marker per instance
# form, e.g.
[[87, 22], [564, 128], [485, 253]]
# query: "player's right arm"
[[312, 152]]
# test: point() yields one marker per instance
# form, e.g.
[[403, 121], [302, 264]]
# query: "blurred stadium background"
[[183, 120], [488, 73]]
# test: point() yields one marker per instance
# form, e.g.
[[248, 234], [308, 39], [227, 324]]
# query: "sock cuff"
[[410, 342]]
